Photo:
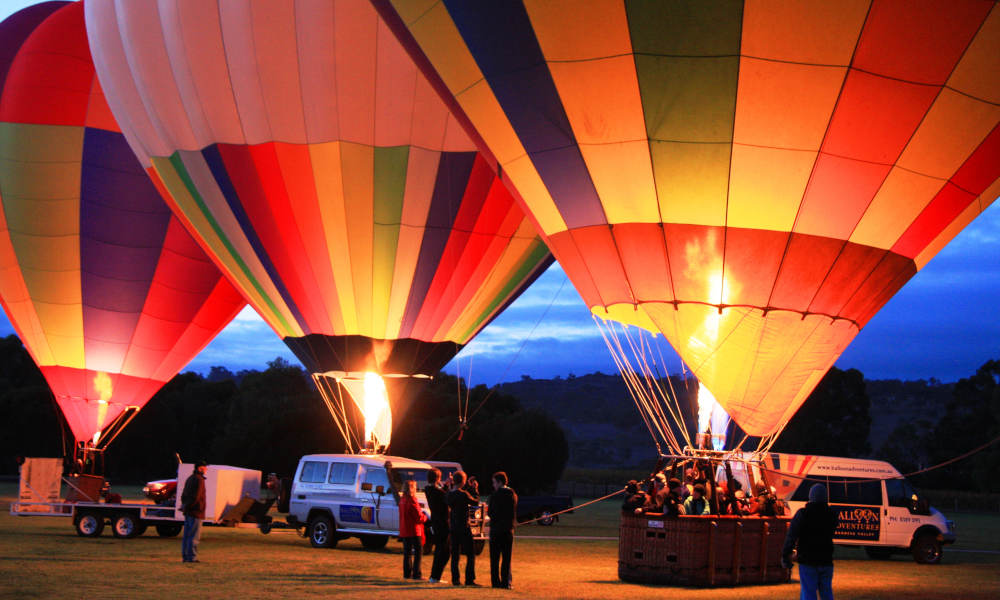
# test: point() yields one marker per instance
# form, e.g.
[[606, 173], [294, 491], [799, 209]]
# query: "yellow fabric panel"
[[953, 128], [567, 30], [785, 105], [534, 193], [411, 10], [42, 180], [627, 314], [623, 177], [357, 162], [17, 301], [691, 181], [328, 174], [766, 187], [752, 363], [439, 39], [601, 99], [897, 203], [981, 58], [63, 327], [804, 31], [421, 174], [968, 215]]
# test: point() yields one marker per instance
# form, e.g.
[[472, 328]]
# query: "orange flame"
[[104, 388]]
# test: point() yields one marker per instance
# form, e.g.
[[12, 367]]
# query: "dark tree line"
[[268, 419]]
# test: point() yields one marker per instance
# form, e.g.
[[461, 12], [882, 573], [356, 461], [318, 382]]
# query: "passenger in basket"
[[765, 504], [634, 499], [811, 532], [696, 504], [438, 524], [657, 495], [459, 501], [411, 530]]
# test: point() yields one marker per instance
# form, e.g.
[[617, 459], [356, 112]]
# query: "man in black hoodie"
[[438, 525], [459, 501], [811, 531], [503, 513]]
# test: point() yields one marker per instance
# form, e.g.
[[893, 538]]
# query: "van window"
[[898, 492], [802, 492], [401, 475], [854, 490], [343, 473], [377, 477], [313, 472]]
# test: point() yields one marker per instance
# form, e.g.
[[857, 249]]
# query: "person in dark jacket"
[[193, 507], [459, 501], [811, 531], [438, 524], [634, 498], [503, 513]]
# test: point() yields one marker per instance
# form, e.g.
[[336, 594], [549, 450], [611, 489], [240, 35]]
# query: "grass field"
[[42, 557]]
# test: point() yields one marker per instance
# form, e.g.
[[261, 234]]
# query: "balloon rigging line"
[[572, 508], [510, 364], [658, 396]]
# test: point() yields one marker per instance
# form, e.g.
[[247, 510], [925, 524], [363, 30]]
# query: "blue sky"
[[944, 323]]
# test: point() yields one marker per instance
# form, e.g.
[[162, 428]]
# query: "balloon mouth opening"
[[713, 421], [371, 398]]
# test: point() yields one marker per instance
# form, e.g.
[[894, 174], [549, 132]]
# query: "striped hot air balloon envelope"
[[105, 288], [754, 179], [322, 172]]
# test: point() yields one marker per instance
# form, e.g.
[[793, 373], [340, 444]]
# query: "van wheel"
[[545, 517], [927, 549], [876, 553], [89, 525], [322, 532], [168, 529], [374, 542]]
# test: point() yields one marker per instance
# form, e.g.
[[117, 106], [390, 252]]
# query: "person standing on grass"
[[411, 530], [193, 507], [459, 501], [502, 512], [811, 531], [438, 524]]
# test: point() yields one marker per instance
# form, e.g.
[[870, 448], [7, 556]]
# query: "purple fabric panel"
[[16, 28], [449, 189], [123, 223]]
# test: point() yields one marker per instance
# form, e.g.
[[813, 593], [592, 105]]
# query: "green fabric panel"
[[389, 189], [176, 163], [40, 162], [688, 99], [685, 27], [534, 258]]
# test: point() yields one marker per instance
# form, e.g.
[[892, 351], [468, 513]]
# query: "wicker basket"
[[702, 550]]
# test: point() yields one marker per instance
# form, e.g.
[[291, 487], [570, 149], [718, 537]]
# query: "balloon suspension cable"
[[524, 342], [658, 404], [334, 400]]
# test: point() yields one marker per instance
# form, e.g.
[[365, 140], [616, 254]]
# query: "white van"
[[337, 496], [878, 507]]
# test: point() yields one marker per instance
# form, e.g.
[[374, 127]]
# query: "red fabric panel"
[[879, 287], [853, 266], [875, 117], [55, 57], [98, 112], [476, 191], [564, 249], [837, 195], [600, 257], [918, 40], [644, 256], [807, 262], [695, 254], [978, 172], [752, 260]]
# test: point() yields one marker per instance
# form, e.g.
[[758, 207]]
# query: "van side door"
[[308, 487], [385, 507], [901, 516]]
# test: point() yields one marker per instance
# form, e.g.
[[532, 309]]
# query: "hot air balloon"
[[752, 179], [327, 179], [105, 288]]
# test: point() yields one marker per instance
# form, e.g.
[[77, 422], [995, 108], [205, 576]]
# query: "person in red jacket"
[[411, 530]]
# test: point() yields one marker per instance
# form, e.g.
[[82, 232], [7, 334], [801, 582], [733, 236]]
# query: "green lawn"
[[41, 557]]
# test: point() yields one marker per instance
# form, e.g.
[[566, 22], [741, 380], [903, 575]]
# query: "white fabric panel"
[[354, 24], [277, 63], [317, 69], [198, 61], [237, 36], [395, 87]]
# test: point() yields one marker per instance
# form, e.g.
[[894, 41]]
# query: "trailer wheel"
[[478, 546], [125, 525], [168, 529], [89, 525], [545, 517], [322, 532], [927, 549], [374, 542]]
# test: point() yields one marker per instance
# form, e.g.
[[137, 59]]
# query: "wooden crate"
[[701, 550]]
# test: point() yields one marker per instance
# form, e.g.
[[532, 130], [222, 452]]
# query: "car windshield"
[[401, 475]]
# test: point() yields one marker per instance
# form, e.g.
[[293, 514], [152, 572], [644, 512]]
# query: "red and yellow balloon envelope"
[[106, 289], [752, 179], [322, 173]]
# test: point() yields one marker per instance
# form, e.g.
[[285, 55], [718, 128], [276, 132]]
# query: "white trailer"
[[231, 493]]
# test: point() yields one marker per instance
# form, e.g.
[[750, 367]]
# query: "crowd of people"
[[448, 528], [698, 494]]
